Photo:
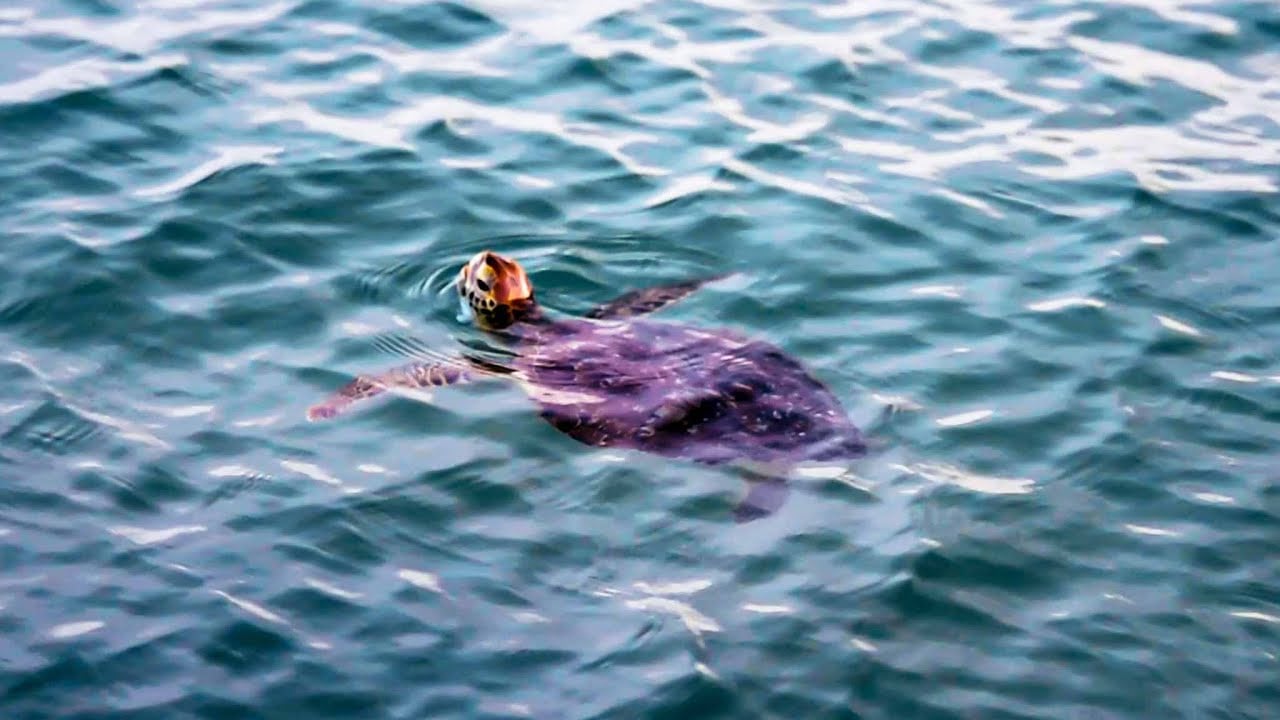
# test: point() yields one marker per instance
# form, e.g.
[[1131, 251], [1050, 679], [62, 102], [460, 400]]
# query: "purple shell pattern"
[[680, 391]]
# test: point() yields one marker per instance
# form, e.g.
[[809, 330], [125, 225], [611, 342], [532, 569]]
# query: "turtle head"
[[497, 290]]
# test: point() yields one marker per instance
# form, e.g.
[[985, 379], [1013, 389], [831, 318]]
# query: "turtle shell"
[[679, 391]]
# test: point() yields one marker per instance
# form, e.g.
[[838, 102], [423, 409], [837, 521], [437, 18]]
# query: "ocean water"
[[1032, 246]]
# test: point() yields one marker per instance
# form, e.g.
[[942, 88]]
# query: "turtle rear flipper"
[[763, 498]]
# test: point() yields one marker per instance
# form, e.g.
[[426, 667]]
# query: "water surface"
[[1030, 245]]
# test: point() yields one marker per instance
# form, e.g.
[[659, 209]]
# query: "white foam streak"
[[800, 187], [225, 471], [532, 17], [315, 472], [686, 186], [973, 202], [81, 75], [264, 421], [529, 617], [1148, 530], [1235, 376], [394, 128], [141, 536], [127, 430], [962, 419], [862, 645], [252, 608], [1254, 615], [768, 609], [180, 411], [9, 409], [224, 159], [1059, 304], [947, 291], [952, 475], [75, 629], [1174, 11], [822, 472], [142, 33], [1178, 326], [333, 590], [356, 130], [468, 60], [696, 622], [687, 587], [532, 181], [424, 580], [1214, 498], [1161, 157]]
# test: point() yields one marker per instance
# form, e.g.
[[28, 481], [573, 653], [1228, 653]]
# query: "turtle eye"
[[484, 286]]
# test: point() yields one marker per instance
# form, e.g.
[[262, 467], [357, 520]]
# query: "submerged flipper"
[[417, 375], [647, 300], [764, 497]]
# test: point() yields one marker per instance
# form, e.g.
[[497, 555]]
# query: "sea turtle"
[[610, 380]]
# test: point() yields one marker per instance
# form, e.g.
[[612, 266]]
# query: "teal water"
[[1031, 246]]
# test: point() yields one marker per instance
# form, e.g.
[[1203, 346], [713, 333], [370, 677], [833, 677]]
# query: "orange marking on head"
[[494, 285]]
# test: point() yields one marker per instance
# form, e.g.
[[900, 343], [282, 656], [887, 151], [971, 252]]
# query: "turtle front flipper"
[[647, 300], [416, 375]]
